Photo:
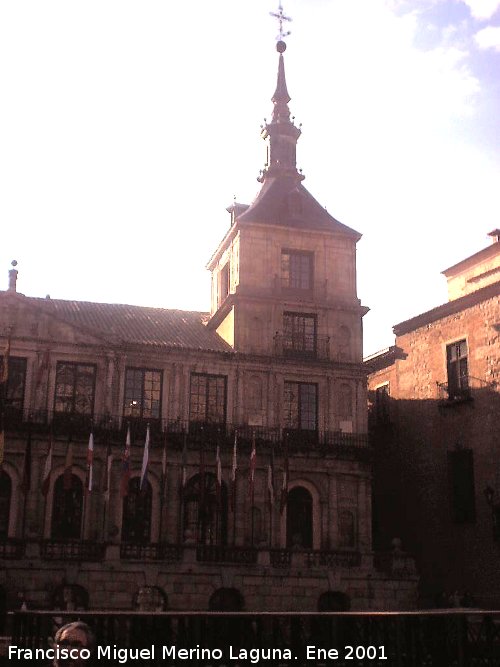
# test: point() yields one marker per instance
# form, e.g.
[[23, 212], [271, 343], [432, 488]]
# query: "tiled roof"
[[274, 205], [137, 325]]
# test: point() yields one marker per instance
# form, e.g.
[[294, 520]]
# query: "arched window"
[[5, 498], [299, 519], [334, 601], [70, 597], [136, 518], [226, 599], [67, 509], [205, 510], [150, 598]]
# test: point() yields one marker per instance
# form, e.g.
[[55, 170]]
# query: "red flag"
[[107, 474], [47, 469], [145, 462], [202, 477], [284, 485], [90, 464], [126, 466], [251, 475], [163, 489], [270, 479], [234, 468], [183, 478], [68, 467], [218, 468], [26, 480]]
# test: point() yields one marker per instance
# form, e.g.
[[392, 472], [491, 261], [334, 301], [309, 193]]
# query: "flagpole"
[[163, 485]]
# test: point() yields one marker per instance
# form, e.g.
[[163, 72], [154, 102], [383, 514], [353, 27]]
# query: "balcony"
[[305, 347], [169, 553], [179, 434], [226, 554], [75, 550], [11, 548]]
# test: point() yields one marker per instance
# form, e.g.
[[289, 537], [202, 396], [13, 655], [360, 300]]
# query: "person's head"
[[73, 637]]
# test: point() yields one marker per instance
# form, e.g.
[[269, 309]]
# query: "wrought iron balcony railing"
[[154, 551], [226, 554], [12, 548], [78, 550], [303, 347], [179, 434]]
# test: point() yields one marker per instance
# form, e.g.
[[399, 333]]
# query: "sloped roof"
[[137, 325], [448, 308], [274, 206]]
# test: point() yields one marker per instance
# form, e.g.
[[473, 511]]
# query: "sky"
[[128, 126]]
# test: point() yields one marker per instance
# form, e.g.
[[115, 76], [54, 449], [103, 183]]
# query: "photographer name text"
[[232, 653]]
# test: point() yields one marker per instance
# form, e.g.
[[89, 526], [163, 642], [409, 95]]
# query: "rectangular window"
[[457, 368], [75, 388], [301, 406], [16, 383], [299, 334], [142, 398], [462, 493], [296, 270], [207, 402]]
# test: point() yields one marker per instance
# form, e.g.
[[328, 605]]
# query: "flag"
[[126, 465], [202, 477], [251, 475], [145, 461], [68, 467], [234, 468], [183, 478], [270, 478], [90, 463], [107, 473], [218, 471], [163, 490], [284, 485], [26, 480], [47, 469]]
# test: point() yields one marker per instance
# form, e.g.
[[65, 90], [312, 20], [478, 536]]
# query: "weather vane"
[[281, 18]]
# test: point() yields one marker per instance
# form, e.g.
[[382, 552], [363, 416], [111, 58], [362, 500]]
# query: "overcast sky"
[[126, 128]]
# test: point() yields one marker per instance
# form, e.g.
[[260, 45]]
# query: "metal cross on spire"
[[281, 18]]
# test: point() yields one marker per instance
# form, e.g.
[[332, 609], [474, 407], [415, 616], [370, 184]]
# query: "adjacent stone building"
[[435, 423], [257, 478]]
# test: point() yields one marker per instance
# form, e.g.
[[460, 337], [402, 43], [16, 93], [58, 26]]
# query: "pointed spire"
[[281, 133]]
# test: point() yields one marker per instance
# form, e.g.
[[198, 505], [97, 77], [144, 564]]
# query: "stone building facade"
[[257, 492], [435, 419]]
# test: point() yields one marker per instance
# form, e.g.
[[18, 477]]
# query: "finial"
[[13, 276], [281, 46]]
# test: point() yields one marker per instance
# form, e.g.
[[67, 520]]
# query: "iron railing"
[[177, 433], [53, 549], [444, 638], [302, 347]]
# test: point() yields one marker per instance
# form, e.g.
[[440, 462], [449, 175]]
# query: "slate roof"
[[137, 325], [273, 206]]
